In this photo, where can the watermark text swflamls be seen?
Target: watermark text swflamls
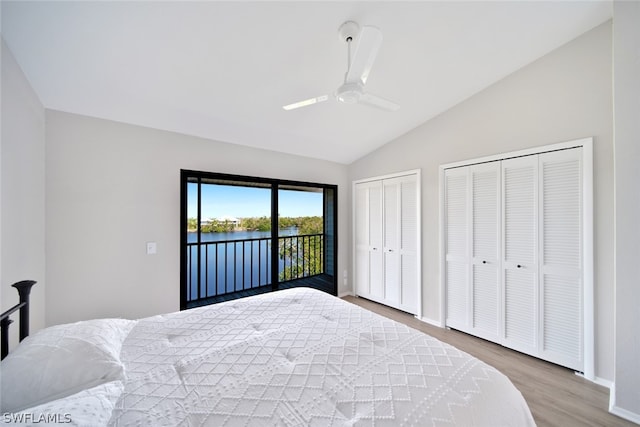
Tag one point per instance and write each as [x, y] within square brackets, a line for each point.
[31, 418]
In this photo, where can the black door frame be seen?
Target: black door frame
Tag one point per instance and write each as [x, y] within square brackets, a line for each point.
[187, 175]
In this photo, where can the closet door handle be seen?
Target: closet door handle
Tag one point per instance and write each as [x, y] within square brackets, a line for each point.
[519, 266]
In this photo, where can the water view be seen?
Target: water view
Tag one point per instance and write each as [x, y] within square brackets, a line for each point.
[192, 237]
[240, 260]
[229, 244]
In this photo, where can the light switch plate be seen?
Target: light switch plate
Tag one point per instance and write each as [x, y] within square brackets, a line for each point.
[151, 248]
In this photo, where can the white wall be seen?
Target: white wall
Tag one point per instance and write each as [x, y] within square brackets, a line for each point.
[565, 95]
[626, 66]
[111, 187]
[22, 191]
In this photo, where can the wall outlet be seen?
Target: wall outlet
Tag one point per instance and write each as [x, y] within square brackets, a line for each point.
[151, 248]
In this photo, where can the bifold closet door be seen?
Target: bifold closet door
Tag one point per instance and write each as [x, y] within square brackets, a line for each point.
[391, 240]
[387, 241]
[514, 269]
[520, 253]
[472, 241]
[485, 250]
[368, 223]
[457, 241]
[561, 286]
[400, 238]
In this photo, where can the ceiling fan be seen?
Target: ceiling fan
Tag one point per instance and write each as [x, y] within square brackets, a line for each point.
[358, 69]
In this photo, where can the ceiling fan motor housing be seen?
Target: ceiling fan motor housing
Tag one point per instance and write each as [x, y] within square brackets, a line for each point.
[350, 93]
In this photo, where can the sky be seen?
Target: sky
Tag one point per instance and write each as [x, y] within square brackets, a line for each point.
[242, 202]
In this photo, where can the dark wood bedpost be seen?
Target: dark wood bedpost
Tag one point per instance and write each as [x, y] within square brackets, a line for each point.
[24, 289]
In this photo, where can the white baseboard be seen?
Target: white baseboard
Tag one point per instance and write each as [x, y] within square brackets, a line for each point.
[431, 321]
[597, 380]
[621, 412]
[345, 294]
[605, 383]
[627, 415]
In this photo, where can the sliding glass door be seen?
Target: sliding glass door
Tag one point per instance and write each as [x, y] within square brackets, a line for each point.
[246, 235]
[227, 239]
[301, 232]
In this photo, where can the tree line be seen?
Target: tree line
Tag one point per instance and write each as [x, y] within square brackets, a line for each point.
[305, 224]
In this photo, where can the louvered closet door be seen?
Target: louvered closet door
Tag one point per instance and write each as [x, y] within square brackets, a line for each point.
[520, 253]
[376, 278]
[457, 251]
[561, 285]
[409, 240]
[400, 242]
[369, 279]
[485, 246]
[361, 225]
[391, 244]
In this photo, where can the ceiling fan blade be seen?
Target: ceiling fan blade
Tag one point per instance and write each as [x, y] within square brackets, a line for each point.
[306, 102]
[376, 101]
[369, 42]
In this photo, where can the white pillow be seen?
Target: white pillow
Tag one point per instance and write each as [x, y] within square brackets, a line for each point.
[62, 360]
[88, 408]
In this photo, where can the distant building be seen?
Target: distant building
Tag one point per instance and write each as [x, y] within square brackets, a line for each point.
[227, 218]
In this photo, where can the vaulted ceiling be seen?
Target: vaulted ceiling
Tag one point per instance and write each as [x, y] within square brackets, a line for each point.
[223, 70]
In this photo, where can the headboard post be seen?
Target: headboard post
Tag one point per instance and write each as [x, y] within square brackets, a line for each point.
[24, 289]
[4, 342]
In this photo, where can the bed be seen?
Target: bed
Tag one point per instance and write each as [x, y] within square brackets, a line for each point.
[296, 357]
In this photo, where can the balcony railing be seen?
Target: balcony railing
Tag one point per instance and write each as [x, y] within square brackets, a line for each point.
[235, 265]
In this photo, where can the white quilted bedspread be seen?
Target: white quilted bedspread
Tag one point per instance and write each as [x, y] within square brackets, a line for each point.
[304, 358]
